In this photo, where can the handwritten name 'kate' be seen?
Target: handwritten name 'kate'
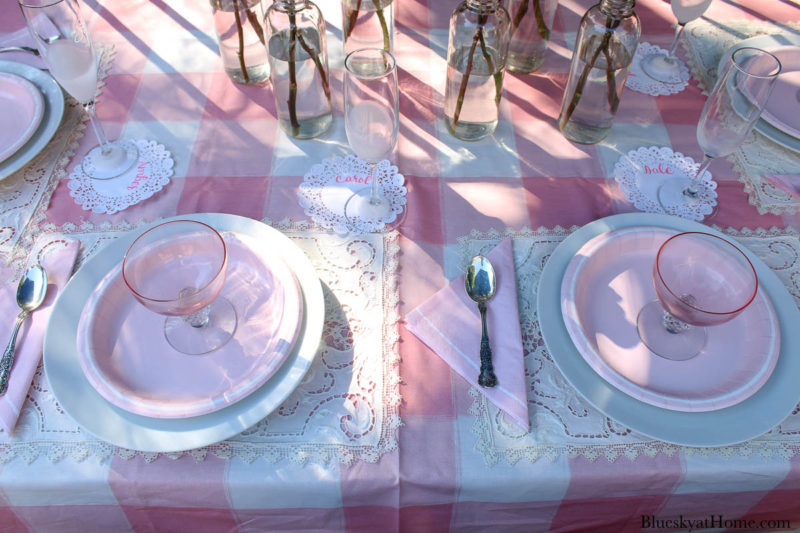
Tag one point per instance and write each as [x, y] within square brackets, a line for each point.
[140, 175]
[660, 169]
[353, 179]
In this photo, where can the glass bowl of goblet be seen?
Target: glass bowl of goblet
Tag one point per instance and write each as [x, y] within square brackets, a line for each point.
[178, 269]
[701, 281]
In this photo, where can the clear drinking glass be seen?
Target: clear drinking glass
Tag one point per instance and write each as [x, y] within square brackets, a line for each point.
[371, 114]
[178, 269]
[666, 68]
[732, 108]
[66, 48]
[701, 280]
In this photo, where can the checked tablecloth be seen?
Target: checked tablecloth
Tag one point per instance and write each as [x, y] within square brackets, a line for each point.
[449, 470]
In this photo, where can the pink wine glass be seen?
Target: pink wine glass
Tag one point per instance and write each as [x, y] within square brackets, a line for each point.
[701, 280]
[178, 269]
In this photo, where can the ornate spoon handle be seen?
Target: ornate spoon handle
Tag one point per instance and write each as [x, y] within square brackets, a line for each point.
[486, 377]
[8, 355]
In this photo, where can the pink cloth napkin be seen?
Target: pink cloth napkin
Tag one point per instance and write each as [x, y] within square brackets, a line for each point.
[57, 258]
[450, 325]
[788, 182]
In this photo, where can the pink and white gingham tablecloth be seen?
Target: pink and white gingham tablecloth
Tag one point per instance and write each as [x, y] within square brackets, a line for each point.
[167, 83]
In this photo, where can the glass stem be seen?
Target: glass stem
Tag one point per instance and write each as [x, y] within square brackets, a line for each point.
[374, 196]
[105, 147]
[692, 189]
[674, 46]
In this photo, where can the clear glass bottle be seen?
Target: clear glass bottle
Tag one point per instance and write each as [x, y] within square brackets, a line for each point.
[368, 24]
[242, 43]
[604, 48]
[476, 57]
[531, 21]
[298, 58]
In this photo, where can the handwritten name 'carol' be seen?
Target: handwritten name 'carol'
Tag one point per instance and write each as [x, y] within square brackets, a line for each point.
[364, 180]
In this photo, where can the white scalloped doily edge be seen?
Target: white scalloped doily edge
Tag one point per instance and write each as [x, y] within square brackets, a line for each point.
[641, 82]
[149, 175]
[328, 185]
[641, 172]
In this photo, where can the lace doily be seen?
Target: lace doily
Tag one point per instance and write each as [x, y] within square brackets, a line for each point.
[328, 185]
[25, 195]
[562, 422]
[641, 172]
[641, 82]
[704, 44]
[150, 174]
[345, 410]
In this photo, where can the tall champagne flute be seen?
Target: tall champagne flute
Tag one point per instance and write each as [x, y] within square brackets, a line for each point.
[371, 111]
[732, 108]
[61, 36]
[666, 68]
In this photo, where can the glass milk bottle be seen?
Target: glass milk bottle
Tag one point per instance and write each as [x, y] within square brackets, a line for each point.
[242, 44]
[476, 56]
[367, 24]
[607, 38]
[298, 59]
[531, 22]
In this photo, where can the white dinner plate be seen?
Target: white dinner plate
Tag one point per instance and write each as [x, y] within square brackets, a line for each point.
[122, 428]
[764, 42]
[51, 119]
[752, 417]
[23, 107]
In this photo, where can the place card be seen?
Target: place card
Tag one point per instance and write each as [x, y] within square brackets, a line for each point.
[149, 175]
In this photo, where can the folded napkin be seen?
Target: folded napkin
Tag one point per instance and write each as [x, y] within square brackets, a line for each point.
[57, 258]
[450, 325]
[788, 182]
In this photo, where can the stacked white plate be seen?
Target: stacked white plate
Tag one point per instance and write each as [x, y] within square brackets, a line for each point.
[33, 106]
[780, 119]
[111, 370]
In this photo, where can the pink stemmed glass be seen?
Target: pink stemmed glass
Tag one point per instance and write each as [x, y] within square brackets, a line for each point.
[178, 269]
[701, 280]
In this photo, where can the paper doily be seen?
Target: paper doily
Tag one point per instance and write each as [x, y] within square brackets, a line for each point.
[641, 82]
[328, 185]
[150, 174]
[642, 171]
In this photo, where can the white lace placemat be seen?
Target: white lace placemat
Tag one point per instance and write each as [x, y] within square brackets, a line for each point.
[328, 185]
[347, 407]
[641, 172]
[641, 82]
[150, 174]
[25, 195]
[704, 43]
[562, 422]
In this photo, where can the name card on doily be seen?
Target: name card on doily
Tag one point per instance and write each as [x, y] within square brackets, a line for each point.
[328, 185]
[641, 172]
[149, 175]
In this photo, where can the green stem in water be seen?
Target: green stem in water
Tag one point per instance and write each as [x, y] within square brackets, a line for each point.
[318, 62]
[253, 18]
[350, 19]
[519, 15]
[544, 32]
[240, 31]
[384, 26]
[462, 89]
[498, 75]
[293, 75]
[611, 24]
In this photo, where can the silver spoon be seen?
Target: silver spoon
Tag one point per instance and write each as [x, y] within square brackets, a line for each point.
[31, 291]
[481, 285]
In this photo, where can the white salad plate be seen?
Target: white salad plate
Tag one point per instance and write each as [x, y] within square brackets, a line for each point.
[749, 418]
[106, 421]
